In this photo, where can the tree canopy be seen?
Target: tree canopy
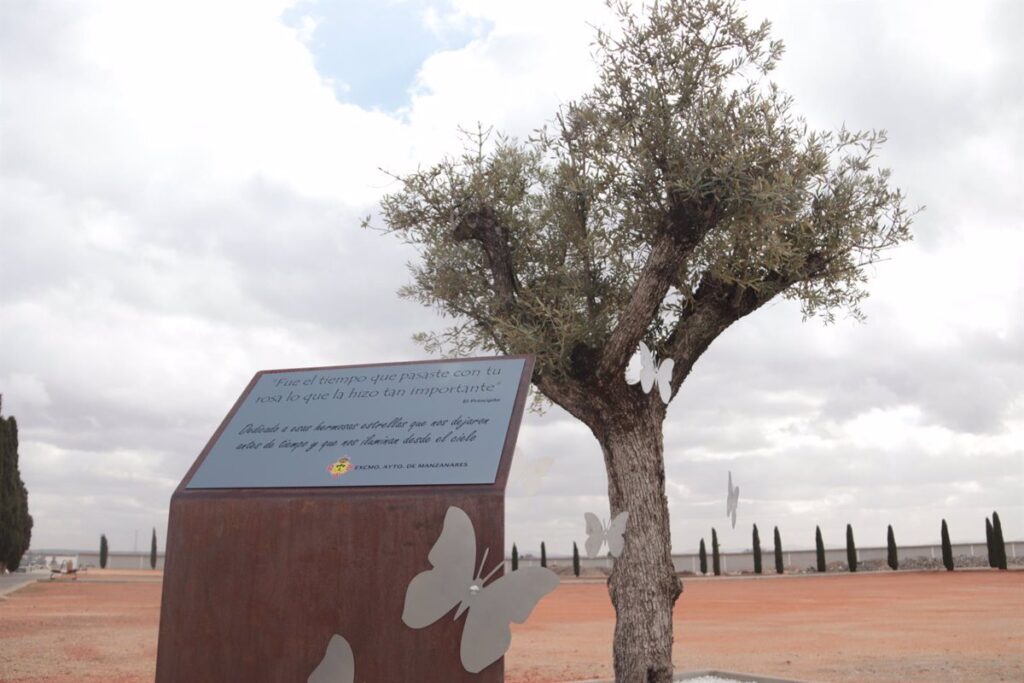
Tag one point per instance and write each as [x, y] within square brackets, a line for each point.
[677, 196]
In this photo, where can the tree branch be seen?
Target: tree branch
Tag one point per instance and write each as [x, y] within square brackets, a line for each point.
[717, 304]
[687, 223]
[569, 391]
[484, 226]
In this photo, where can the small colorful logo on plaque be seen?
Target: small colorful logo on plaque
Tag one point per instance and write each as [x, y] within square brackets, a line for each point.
[342, 466]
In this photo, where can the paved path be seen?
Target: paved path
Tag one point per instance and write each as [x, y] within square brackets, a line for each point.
[12, 582]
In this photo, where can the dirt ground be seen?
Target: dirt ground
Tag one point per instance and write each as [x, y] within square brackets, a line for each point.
[100, 627]
[905, 626]
[892, 627]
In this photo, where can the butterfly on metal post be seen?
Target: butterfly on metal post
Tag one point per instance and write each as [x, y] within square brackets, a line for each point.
[598, 534]
[338, 664]
[732, 501]
[651, 372]
[455, 581]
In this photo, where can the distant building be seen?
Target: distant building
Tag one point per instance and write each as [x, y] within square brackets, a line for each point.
[125, 559]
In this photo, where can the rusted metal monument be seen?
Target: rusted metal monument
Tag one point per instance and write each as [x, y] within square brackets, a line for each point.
[316, 503]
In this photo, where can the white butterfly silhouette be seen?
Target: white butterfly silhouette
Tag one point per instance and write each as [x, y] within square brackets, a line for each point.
[651, 372]
[598, 534]
[338, 664]
[732, 501]
[454, 582]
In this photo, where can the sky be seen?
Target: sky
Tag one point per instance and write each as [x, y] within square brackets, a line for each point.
[181, 186]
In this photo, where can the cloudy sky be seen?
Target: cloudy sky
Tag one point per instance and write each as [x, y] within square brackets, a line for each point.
[180, 190]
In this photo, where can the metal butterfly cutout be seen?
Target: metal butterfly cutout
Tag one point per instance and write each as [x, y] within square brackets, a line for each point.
[455, 581]
[599, 534]
[338, 664]
[652, 373]
[732, 501]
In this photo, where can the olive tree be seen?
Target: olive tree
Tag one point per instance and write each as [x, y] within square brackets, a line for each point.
[677, 196]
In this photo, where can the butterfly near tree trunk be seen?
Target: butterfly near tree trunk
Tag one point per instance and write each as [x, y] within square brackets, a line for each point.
[652, 372]
[598, 534]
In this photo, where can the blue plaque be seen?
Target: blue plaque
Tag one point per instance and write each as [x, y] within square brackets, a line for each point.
[443, 422]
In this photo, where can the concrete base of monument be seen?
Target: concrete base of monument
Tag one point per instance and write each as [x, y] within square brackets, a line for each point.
[713, 676]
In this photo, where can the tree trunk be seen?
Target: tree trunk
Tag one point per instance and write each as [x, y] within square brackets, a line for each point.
[643, 584]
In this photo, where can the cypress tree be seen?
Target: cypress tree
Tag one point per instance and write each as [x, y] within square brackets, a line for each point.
[6, 491]
[103, 551]
[515, 557]
[543, 555]
[715, 565]
[893, 558]
[779, 568]
[15, 521]
[757, 552]
[703, 558]
[152, 551]
[575, 559]
[998, 544]
[947, 549]
[819, 547]
[851, 549]
[989, 545]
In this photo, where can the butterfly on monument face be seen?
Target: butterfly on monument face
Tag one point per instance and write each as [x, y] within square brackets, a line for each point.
[338, 664]
[455, 582]
[732, 501]
[651, 372]
[598, 534]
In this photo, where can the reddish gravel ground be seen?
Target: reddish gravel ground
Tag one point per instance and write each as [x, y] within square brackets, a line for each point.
[962, 626]
[913, 626]
[102, 627]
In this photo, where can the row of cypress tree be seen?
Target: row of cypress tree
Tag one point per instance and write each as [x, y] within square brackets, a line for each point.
[15, 521]
[716, 565]
[993, 540]
[995, 543]
[105, 551]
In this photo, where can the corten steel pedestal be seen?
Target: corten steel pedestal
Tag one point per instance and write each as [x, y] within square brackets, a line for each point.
[257, 580]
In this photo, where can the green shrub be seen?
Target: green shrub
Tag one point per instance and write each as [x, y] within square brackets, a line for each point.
[715, 564]
[779, 568]
[575, 559]
[819, 547]
[947, 549]
[893, 558]
[998, 545]
[703, 558]
[757, 552]
[15, 521]
[851, 549]
[103, 551]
